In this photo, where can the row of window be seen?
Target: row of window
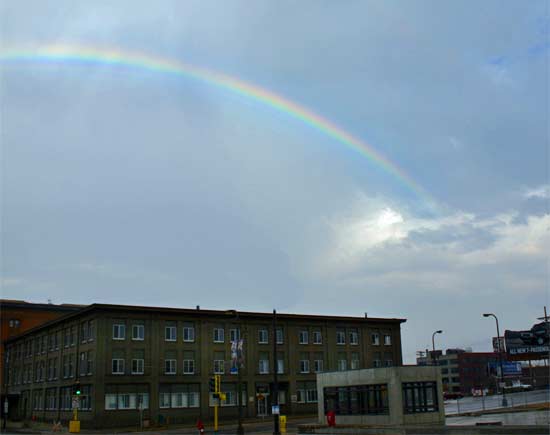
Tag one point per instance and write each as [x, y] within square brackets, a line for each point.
[418, 397]
[118, 366]
[47, 370]
[52, 400]
[188, 333]
[51, 342]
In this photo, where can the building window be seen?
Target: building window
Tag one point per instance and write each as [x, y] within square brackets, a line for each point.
[280, 366]
[138, 366]
[263, 363]
[375, 338]
[179, 396]
[119, 331]
[170, 366]
[234, 335]
[82, 364]
[164, 400]
[86, 398]
[91, 330]
[280, 336]
[355, 365]
[126, 401]
[357, 400]
[304, 366]
[262, 336]
[303, 338]
[188, 366]
[317, 337]
[419, 397]
[340, 337]
[170, 333]
[138, 332]
[306, 392]
[84, 332]
[73, 340]
[388, 362]
[342, 365]
[387, 340]
[318, 365]
[189, 334]
[90, 363]
[218, 335]
[51, 399]
[219, 366]
[353, 338]
[118, 366]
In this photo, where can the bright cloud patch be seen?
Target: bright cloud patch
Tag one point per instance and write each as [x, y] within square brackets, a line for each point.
[380, 246]
[539, 192]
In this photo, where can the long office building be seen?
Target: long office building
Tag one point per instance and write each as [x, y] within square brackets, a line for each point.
[152, 365]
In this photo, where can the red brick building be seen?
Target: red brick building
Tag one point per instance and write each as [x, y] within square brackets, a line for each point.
[17, 317]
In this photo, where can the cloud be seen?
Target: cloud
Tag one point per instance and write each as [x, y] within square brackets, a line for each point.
[388, 247]
[542, 192]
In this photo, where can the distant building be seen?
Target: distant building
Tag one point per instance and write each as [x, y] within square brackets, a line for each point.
[462, 371]
[161, 359]
[20, 316]
[387, 396]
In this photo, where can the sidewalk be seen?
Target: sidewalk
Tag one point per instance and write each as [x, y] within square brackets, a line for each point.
[251, 426]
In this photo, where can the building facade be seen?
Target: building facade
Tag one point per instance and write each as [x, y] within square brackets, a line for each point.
[154, 364]
[463, 371]
[386, 396]
[17, 317]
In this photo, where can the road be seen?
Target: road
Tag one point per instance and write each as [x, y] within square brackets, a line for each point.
[470, 404]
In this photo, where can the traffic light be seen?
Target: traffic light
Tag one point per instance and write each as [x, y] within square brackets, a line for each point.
[76, 389]
[212, 385]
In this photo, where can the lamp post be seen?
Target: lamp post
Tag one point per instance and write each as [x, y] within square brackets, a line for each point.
[433, 346]
[275, 400]
[504, 401]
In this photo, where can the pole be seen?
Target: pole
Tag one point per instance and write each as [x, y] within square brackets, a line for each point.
[504, 401]
[216, 416]
[275, 400]
[433, 348]
[240, 428]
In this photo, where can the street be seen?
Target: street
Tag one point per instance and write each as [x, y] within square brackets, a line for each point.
[469, 404]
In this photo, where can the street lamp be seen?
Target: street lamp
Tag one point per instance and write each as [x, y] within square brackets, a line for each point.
[275, 400]
[433, 346]
[504, 401]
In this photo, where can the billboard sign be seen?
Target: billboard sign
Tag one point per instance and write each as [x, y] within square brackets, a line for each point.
[510, 368]
[533, 343]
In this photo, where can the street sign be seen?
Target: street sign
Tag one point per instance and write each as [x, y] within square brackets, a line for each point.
[275, 410]
[76, 402]
[234, 370]
[6, 407]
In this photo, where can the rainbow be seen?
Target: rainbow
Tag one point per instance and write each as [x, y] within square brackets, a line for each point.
[108, 56]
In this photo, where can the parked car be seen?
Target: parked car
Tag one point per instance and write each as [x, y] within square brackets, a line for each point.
[447, 395]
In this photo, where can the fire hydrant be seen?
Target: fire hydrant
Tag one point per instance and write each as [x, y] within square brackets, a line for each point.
[331, 418]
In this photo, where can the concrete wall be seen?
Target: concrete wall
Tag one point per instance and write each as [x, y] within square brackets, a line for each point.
[393, 377]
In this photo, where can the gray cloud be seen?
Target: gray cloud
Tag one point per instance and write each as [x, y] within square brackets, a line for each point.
[120, 185]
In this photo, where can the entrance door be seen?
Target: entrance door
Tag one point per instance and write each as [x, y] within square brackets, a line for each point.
[261, 401]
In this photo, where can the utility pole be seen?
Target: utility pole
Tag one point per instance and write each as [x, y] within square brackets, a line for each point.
[275, 401]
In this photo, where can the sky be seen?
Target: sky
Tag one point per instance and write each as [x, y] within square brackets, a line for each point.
[127, 185]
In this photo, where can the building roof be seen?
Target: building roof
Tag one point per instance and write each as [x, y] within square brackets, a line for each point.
[19, 304]
[225, 314]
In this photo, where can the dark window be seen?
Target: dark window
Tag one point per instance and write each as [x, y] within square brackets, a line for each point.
[357, 399]
[419, 397]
